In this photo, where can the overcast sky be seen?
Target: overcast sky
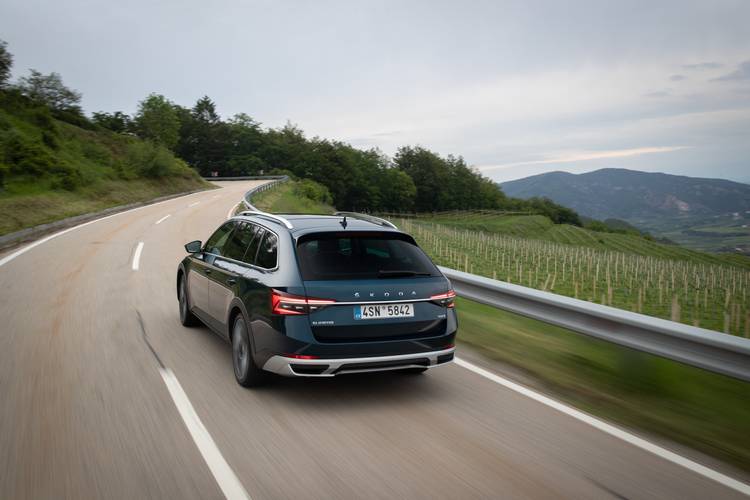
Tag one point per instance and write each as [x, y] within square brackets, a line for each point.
[516, 88]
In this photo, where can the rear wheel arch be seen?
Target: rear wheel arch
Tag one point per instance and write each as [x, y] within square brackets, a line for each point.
[180, 277]
[237, 308]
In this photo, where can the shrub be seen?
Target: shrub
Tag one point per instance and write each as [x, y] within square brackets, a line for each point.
[310, 189]
[25, 156]
[151, 160]
[4, 171]
[41, 116]
[65, 176]
[50, 140]
[74, 117]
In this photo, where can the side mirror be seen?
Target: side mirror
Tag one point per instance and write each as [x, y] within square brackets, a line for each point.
[193, 246]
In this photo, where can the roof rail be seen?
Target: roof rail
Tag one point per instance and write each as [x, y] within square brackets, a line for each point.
[275, 218]
[368, 218]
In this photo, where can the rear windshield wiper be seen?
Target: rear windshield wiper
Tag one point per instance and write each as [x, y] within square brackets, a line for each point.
[400, 273]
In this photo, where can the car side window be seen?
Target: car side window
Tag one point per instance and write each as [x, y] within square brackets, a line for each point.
[252, 249]
[238, 242]
[215, 244]
[267, 253]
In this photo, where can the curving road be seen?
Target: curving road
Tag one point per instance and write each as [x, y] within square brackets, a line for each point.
[104, 394]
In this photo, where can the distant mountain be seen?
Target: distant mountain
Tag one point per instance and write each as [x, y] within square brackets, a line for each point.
[632, 195]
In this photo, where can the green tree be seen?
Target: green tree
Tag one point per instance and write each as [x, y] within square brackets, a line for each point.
[6, 63]
[398, 189]
[50, 90]
[157, 120]
[205, 142]
[205, 111]
[430, 175]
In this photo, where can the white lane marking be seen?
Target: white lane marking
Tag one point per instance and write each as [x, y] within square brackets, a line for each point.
[193, 204]
[215, 196]
[228, 482]
[163, 218]
[610, 429]
[231, 211]
[137, 256]
[28, 247]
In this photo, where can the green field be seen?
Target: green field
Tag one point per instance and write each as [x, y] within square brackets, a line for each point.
[50, 170]
[703, 410]
[288, 198]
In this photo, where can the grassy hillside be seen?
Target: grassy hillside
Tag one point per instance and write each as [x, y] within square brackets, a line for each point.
[51, 169]
[540, 227]
[295, 197]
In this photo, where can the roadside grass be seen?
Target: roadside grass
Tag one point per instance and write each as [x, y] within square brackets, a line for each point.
[703, 410]
[38, 206]
[286, 199]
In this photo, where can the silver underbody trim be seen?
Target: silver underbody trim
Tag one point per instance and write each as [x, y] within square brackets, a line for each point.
[281, 365]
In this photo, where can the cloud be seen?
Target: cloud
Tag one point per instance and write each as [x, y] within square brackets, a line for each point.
[658, 94]
[578, 156]
[677, 78]
[741, 73]
[703, 65]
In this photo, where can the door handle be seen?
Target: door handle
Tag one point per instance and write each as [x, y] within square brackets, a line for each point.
[208, 271]
[231, 281]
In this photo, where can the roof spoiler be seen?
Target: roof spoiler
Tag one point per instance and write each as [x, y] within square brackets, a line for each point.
[368, 218]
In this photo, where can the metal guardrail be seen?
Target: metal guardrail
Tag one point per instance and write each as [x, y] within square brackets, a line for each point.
[247, 178]
[259, 189]
[714, 351]
[277, 179]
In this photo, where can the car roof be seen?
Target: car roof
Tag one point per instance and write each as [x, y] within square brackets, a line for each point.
[306, 223]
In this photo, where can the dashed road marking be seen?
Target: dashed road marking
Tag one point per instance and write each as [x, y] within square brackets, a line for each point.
[137, 256]
[163, 218]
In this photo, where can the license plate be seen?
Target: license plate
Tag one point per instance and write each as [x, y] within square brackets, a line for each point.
[383, 311]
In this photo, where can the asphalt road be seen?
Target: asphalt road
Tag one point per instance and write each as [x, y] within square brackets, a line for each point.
[85, 411]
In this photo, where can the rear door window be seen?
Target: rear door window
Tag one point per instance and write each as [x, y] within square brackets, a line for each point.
[238, 241]
[215, 244]
[268, 251]
[336, 256]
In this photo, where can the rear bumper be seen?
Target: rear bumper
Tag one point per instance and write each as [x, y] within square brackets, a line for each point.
[293, 367]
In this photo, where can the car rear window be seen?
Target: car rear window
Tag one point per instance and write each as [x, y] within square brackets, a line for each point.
[336, 256]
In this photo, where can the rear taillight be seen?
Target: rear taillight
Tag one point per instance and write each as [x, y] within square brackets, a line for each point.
[288, 304]
[444, 299]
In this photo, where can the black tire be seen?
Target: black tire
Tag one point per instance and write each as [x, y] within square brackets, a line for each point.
[414, 371]
[246, 371]
[187, 318]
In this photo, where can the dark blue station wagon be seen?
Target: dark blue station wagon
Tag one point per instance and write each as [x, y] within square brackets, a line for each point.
[318, 296]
